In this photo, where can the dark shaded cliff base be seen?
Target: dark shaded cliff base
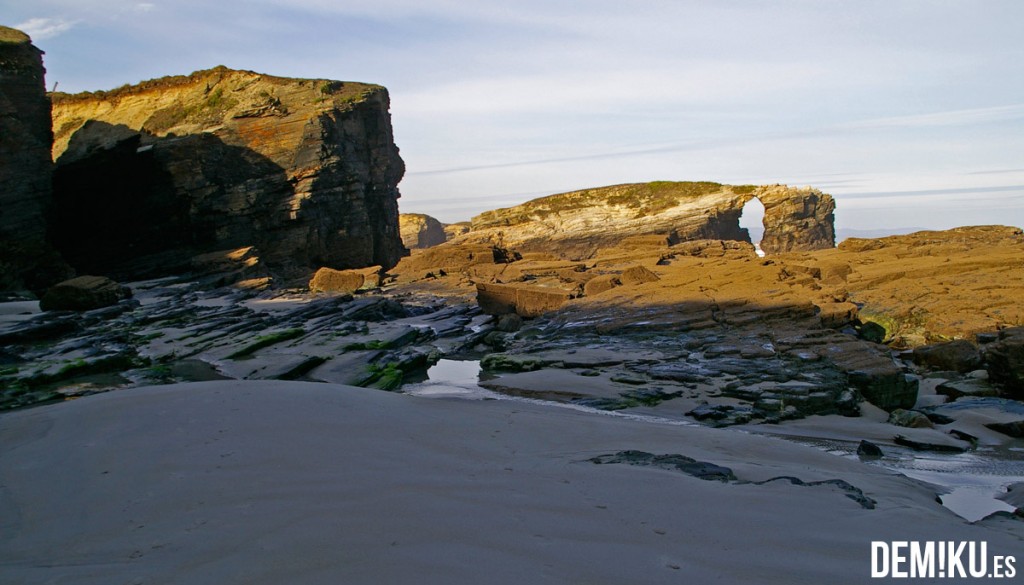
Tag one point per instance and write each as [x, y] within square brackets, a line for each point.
[27, 260]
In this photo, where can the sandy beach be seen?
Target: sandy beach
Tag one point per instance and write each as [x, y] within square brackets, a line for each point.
[274, 482]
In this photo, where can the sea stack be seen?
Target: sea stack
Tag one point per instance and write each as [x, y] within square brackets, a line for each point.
[149, 175]
[26, 260]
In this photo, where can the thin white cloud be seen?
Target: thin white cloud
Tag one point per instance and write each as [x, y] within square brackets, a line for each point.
[946, 118]
[44, 28]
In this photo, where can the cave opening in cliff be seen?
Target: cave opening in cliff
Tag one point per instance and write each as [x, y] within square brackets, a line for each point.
[752, 220]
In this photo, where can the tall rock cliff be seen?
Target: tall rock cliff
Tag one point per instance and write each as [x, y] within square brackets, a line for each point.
[579, 223]
[149, 175]
[26, 260]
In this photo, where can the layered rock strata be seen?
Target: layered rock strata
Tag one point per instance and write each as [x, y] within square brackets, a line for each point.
[304, 170]
[26, 260]
[578, 224]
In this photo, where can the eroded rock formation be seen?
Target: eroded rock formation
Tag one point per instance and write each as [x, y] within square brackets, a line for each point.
[150, 175]
[578, 224]
[26, 260]
[421, 231]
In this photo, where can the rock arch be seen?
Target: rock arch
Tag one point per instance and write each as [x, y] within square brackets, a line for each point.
[795, 219]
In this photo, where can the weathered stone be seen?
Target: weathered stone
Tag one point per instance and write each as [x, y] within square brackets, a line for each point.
[1011, 429]
[150, 175]
[635, 275]
[699, 469]
[869, 449]
[26, 258]
[967, 387]
[526, 301]
[578, 224]
[509, 323]
[83, 293]
[796, 219]
[928, 446]
[1005, 360]
[421, 231]
[600, 284]
[910, 419]
[958, 356]
[336, 281]
[878, 378]
[453, 230]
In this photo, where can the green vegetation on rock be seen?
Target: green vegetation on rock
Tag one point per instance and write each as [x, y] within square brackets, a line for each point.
[266, 341]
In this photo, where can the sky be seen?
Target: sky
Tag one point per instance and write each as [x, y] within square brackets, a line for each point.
[909, 112]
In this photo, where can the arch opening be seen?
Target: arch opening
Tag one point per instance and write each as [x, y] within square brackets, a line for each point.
[752, 220]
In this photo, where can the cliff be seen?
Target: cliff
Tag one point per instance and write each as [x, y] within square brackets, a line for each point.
[421, 231]
[305, 170]
[26, 260]
[579, 223]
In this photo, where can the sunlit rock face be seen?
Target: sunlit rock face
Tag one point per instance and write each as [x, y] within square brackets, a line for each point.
[421, 231]
[305, 170]
[578, 224]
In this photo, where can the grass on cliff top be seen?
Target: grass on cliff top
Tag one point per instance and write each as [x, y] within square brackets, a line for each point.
[644, 198]
[13, 35]
[347, 90]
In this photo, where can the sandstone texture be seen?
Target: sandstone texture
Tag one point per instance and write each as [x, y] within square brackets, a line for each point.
[525, 301]
[344, 281]
[26, 259]
[453, 230]
[1005, 359]
[84, 293]
[578, 224]
[150, 175]
[421, 231]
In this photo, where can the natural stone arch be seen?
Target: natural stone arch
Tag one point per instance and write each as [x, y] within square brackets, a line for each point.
[795, 219]
[751, 221]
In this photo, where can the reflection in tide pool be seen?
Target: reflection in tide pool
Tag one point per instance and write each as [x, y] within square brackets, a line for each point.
[454, 378]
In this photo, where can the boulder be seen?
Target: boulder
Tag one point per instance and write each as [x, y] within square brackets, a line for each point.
[1004, 360]
[869, 449]
[525, 301]
[1013, 429]
[874, 373]
[958, 356]
[600, 284]
[635, 275]
[343, 281]
[967, 387]
[910, 419]
[84, 293]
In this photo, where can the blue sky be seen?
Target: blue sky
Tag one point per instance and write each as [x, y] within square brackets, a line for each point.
[911, 113]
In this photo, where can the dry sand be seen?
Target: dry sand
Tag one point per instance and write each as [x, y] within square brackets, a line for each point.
[291, 482]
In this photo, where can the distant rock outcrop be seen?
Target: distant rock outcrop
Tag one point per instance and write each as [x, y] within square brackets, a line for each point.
[26, 260]
[150, 175]
[454, 230]
[421, 231]
[579, 223]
